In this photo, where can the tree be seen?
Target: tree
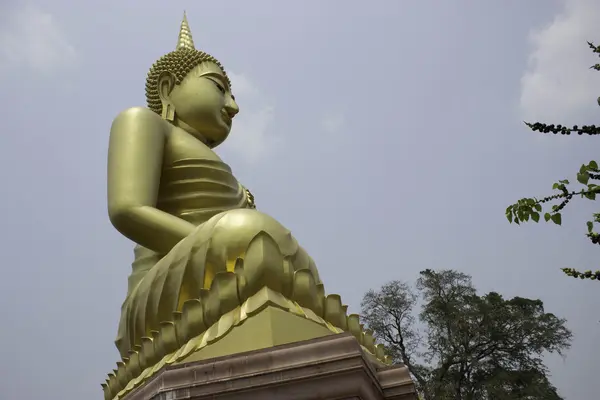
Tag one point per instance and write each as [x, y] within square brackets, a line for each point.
[529, 208]
[466, 346]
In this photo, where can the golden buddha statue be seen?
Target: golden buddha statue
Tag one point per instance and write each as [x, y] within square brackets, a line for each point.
[203, 249]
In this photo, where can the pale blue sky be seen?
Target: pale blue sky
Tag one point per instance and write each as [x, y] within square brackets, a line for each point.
[387, 137]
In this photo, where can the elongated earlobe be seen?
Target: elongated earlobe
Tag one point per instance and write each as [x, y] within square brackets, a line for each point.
[168, 112]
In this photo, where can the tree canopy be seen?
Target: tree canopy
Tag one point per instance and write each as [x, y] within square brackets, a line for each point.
[462, 345]
[530, 208]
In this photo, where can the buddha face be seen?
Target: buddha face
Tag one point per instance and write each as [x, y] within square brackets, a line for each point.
[202, 102]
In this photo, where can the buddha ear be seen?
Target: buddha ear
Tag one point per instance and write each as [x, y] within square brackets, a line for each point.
[166, 83]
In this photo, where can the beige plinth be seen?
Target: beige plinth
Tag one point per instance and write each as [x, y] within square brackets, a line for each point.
[330, 367]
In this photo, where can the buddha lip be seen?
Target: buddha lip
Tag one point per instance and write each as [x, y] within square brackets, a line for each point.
[226, 117]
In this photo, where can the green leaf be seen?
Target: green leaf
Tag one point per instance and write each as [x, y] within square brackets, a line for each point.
[547, 217]
[509, 214]
[535, 216]
[583, 177]
[590, 195]
[593, 165]
[564, 181]
[538, 207]
[555, 186]
[556, 218]
[583, 168]
[590, 226]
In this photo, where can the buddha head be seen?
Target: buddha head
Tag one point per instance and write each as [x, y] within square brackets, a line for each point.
[190, 89]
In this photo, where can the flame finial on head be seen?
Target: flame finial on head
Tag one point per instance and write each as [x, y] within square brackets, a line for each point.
[185, 41]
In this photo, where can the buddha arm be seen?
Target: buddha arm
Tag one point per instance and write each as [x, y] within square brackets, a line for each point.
[135, 159]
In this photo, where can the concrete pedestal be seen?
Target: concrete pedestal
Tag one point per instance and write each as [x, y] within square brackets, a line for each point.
[326, 368]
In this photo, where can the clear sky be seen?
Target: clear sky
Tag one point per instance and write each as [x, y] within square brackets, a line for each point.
[387, 135]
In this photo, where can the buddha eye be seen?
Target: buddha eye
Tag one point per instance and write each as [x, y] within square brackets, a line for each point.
[220, 87]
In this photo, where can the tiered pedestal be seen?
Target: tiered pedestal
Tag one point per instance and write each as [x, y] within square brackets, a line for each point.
[326, 368]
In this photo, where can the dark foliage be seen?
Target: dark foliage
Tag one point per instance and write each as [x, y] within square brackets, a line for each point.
[472, 347]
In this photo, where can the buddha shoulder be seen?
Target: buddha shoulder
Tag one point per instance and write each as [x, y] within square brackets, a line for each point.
[139, 127]
[139, 119]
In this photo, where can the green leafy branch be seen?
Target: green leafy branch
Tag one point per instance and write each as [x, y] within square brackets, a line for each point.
[563, 130]
[582, 275]
[595, 49]
[532, 208]
[527, 208]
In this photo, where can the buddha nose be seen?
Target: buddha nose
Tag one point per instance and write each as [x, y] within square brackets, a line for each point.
[232, 108]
